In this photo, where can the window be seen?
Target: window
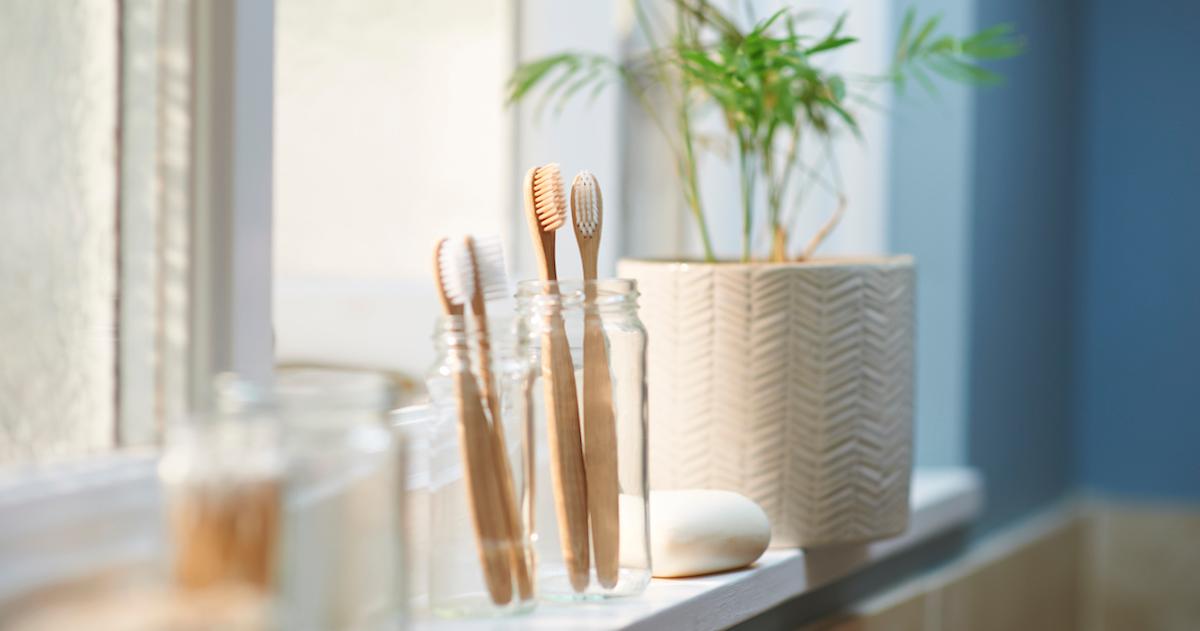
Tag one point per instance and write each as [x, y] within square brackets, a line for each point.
[391, 132]
[118, 274]
[281, 172]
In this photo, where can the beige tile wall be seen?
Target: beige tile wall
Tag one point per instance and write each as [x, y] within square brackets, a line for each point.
[1143, 568]
[1091, 567]
[903, 609]
[1035, 586]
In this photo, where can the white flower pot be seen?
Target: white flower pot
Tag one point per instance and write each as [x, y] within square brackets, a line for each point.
[789, 383]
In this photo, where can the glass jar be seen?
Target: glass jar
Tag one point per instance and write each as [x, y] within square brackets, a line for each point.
[412, 426]
[223, 485]
[223, 475]
[342, 558]
[592, 417]
[480, 527]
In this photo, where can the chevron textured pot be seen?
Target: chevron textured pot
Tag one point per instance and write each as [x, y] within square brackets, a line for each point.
[789, 383]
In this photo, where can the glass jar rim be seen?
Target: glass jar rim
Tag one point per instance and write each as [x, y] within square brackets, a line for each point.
[297, 389]
[610, 295]
[459, 331]
[604, 287]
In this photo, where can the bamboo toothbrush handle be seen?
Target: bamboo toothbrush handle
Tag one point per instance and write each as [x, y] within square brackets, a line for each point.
[566, 451]
[511, 513]
[514, 534]
[600, 445]
[478, 473]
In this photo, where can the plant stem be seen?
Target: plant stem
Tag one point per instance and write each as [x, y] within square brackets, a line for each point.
[768, 167]
[838, 211]
[777, 234]
[692, 179]
[746, 162]
[777, 193]
[823, 232]
[691, 182]
[685, 159]
[789, 163]
[806, 186]
[685, 167]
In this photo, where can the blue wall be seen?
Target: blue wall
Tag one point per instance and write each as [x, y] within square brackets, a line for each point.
[1138, 361]
[1022, 305]
[930, 198]
[1079, 222]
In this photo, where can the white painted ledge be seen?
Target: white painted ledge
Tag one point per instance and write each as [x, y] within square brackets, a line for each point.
[79, 519]
[942, 500]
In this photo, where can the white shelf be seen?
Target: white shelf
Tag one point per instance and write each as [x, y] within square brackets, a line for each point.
[942, 499]
[93, 515]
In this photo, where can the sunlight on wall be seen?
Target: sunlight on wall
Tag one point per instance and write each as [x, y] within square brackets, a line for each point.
[390, 132]
[58, 61]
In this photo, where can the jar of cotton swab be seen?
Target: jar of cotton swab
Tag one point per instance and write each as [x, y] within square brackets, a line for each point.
[222, 475]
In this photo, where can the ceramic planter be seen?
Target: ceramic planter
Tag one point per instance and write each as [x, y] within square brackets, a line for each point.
[789, 383]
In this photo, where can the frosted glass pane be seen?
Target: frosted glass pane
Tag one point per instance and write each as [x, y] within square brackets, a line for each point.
[389, 133]
[58, 78]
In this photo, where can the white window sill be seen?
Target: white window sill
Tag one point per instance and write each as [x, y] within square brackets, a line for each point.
[79, 519]
[942, 500]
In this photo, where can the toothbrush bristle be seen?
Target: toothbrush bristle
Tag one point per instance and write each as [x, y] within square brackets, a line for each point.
[454, 266]
[549, 203]
[585, 203]
[489, 260]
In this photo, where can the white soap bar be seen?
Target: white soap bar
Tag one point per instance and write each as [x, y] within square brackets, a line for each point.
[704, 531]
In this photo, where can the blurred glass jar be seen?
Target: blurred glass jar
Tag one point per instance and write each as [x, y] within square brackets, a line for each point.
[223, 479]
[480, 499]
[343, 562]
[412, 425]
[599, 323]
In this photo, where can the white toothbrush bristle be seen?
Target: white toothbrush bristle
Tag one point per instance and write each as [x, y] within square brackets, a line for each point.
[549, 202]
[489, 260]
[586, 204]
[454, 265]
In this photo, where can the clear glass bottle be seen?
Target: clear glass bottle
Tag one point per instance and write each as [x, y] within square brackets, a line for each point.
[599, 323]
[480, 527]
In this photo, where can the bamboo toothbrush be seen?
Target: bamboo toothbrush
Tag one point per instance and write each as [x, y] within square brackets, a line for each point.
[546, 210]
[474, 438]
[491, 282]
[599, 429]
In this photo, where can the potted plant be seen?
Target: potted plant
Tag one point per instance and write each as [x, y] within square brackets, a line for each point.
[786, 377]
